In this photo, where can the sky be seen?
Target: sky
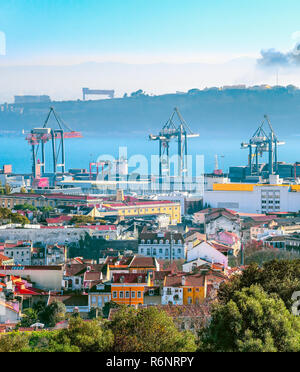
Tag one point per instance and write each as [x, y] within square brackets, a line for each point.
[65, 32]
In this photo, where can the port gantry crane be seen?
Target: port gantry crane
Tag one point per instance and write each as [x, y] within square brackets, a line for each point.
[38, 137]
[260, 143]
[180, 132]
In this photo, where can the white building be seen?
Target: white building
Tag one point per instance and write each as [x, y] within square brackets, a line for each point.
[162, 245]
[172, 292]
[254, 198]
[9, 312]
[21, 254]
[205, 251]
[222, 221]
[188, 267]
[58, 234]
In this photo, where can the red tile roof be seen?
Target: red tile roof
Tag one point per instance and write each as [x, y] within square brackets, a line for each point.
[139, 203]
[141, 261]
[4, 258]
[129, 278]
[92, 276]
[71, 300]
[100, 227]
[20, 267]
[160, 275]
[80, 269]
[59, 219]
[173, 281]
[54, 196]
[219, 246]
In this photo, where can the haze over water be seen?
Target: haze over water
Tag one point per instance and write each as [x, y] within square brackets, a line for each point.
[79, 152]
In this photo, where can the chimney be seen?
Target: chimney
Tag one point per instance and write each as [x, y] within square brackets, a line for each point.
[183, 280]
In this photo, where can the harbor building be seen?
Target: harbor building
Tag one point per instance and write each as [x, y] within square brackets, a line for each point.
[254, 198]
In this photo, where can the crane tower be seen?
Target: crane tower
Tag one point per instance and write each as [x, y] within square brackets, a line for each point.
[262, 142]
[38, 137]
[173, 131]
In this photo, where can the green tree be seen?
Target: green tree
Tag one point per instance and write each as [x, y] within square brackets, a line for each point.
[48, 341]
[53, 313]
[107, 306]
[19, 218]
[7, 189]
[81, 219]
[29, 317]
[13, 342]
[88, 336]
[47, 209]
[252, 321]
[25, 206]
[5, 213]
[266, 255]
[95, 312]
[281, 277]
[148, 330]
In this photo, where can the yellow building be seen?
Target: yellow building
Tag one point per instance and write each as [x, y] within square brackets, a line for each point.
[147, 208]
[99, 294]
[194, 289]
[128, 289]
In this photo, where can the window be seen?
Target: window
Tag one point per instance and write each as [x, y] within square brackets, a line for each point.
[139, 294]
[132, 294]
[189, 289]
[121, 294]
[94, 298]
[151, 292]
[190, 300]
[114, 294]
[127, 294]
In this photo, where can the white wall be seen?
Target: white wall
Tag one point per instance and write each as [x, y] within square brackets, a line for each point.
[52, 236]
[143, 250]
[170, 298]
[222, 223]
[251, 201]
[206, 252]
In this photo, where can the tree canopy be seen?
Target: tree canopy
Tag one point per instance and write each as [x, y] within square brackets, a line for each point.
[281, 277]
[251, 321]
[148, 330]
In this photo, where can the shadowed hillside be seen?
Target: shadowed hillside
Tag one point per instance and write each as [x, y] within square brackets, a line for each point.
[234, 113]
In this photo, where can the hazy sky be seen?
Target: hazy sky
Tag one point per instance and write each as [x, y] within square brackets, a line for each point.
[57, 32]
[61, 30]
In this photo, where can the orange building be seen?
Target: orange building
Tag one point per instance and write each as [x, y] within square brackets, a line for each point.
[194, 289]
[128, 288]
[130, 264]
[141, 264]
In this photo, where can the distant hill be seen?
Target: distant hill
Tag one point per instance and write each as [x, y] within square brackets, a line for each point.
[212, 112]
